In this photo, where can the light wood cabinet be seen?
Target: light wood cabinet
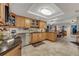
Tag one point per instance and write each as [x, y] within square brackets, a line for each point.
[2, 13]
[27, 23]
[34, 38]
[20, 22]
[37, 37]
[51, 36]
[34, 23]
[42, 36]
[42, 24]
[14, 52]
[0, 9]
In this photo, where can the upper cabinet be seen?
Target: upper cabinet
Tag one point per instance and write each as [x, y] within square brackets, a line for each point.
[0, 10]
[38, 24]
[25, 22]
[42, 24]
[2, 13]
[34, 23]
[20, 22]
[28, 23]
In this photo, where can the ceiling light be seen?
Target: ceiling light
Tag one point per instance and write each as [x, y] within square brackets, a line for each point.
[45, 11]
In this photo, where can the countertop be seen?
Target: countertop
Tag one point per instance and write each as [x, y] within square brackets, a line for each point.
[43, 32]
[10, 47]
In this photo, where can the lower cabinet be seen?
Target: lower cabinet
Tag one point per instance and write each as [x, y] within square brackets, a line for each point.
[14, 52]
[41, 36]
[51, 36]
[36, 37]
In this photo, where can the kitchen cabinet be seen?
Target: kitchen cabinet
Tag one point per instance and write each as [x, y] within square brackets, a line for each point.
[14, 52]
[42, 24]
[20, 22]
[38, 24]
[27, 23]
[34, 23]
[52, 36]
[44, 35]
[40, 36]
[0, 9]
[34, 38]
[2, 13]
[37, 37]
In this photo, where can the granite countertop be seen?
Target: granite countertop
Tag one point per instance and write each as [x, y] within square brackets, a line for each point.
[7, 48]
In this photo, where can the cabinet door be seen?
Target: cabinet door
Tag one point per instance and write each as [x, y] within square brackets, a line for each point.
[14, 52]
[27, 23]
[2, 12]
[0, 9]
[39, 36]
[34, 38]
[42, 24]
[20, 22]
[52, 36]
[44, 36]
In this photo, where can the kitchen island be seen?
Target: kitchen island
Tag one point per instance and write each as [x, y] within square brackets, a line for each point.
[11, 50]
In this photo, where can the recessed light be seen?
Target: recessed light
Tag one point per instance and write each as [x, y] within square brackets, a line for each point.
[46, 11]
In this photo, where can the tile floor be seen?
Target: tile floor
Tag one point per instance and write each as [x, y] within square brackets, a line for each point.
[60, 48]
